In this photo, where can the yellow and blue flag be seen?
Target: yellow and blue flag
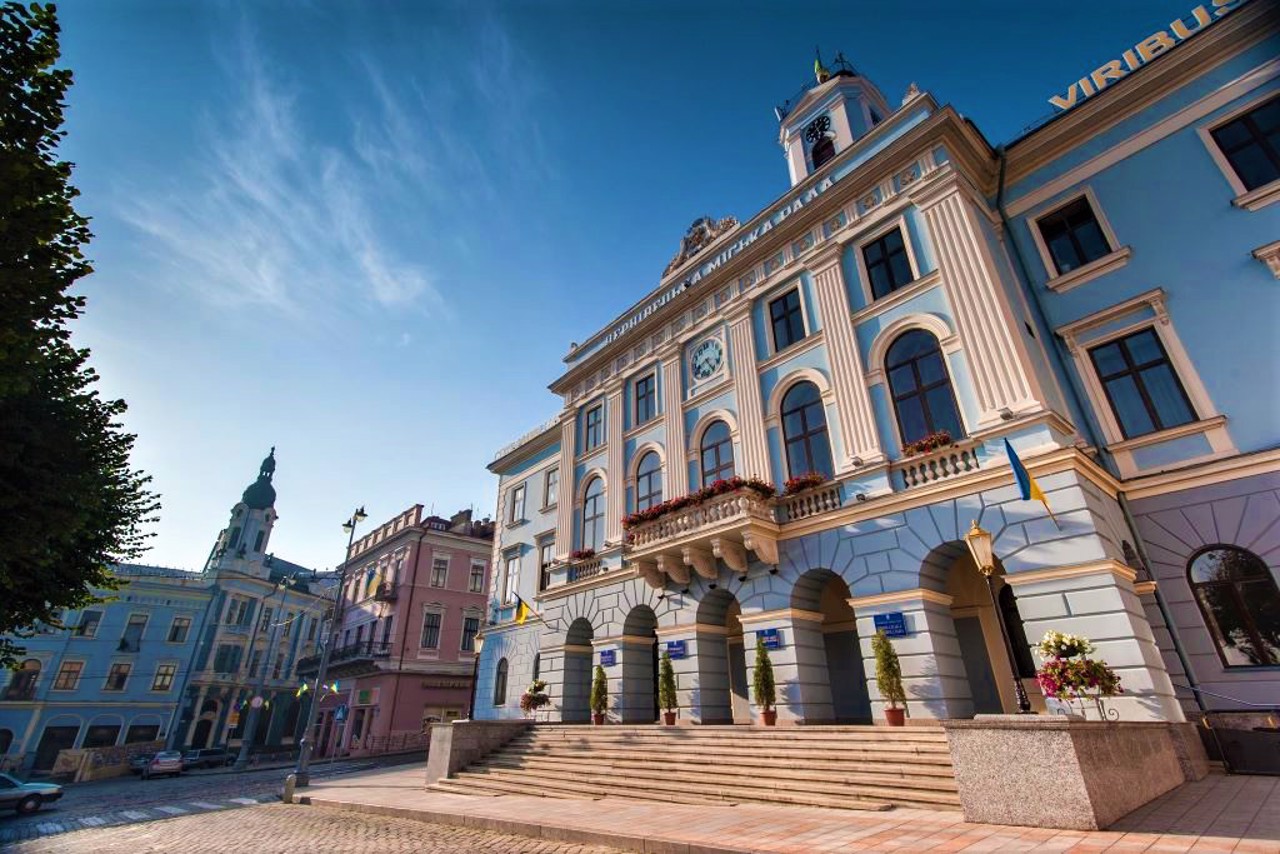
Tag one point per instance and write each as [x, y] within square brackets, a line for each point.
[1031, 490]
[522, 611]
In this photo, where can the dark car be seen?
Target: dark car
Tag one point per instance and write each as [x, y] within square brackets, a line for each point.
[137, 763]
[26, 797]
[209, 757]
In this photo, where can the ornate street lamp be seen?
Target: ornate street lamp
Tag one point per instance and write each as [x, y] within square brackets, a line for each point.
[301, 773]
[980, 547]
[475, 676]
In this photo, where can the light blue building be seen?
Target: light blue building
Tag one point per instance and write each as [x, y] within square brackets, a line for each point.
[1098, 293]
[173, 656]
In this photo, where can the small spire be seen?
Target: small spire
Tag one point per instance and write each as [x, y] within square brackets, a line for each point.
[820, 71]
[268, 465]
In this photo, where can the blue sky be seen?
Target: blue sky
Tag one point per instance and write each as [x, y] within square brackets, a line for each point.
[366, 233]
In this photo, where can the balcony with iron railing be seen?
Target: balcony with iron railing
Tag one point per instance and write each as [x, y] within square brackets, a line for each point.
[349, 657]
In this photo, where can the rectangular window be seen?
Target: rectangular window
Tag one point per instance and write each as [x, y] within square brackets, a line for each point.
[118, 676]
[1142, 388]
[68, 676]
[517, 505]
[278, 670]
[88, 625]
[164, 677]
[888, 266]
[386, 630]
[179, 629]
[431, 630]
[594, 433]
[470, 628]
[475, 582]
[1251, 144]
[787, 320]
[264, 624]
[646, 399]
[131, 640]
[510, 578]
[1073, 236]
[439, 571]
[311, 628]
[551, 492]
[227, 659]
[255, 661]
[546, 557]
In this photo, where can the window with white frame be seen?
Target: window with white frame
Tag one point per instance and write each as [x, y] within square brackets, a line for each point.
[593, 428]
[546, 557]
[165, 674]
[179, 629]
[517, 505]
[786, 319]
[1141, 386]
[510, 577]
[1251, 144]
[470, 628]
[593, 515]
[551, 488]
[439, 571]
[475, 580]
[887, 263]
[648, 481]
[68, 677]
[1073, 236]
[646, 399]
[87, 626]
[118, 676]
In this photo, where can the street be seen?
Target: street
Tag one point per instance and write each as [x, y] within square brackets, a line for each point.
[280, 829]
[128, 800]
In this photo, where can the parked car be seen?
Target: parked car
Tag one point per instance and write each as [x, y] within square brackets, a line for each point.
[26, 798]
[208, 757]
[165, 762]
[137, 763]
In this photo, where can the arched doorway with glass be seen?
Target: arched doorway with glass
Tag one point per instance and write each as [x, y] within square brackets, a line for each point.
[831, 677]
[721, 694]
[575, 705]
[638, 662]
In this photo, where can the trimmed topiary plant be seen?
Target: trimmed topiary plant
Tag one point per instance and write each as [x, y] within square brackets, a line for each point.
[762, 681]
[667, 690]
[599, 696]
[889, 678]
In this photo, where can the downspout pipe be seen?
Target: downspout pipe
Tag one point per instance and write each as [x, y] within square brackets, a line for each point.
[1078, 401]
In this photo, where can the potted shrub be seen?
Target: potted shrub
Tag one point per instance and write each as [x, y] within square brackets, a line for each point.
[667, 690]
[535, 698]
[766, 691]
[889, 679]
[599, 696]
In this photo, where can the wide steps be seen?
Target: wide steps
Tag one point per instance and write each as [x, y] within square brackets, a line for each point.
[889, 753]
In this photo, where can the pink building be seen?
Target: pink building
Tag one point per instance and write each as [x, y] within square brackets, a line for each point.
[404, 652]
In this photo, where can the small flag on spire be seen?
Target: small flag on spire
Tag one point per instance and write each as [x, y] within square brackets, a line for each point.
[820, 71]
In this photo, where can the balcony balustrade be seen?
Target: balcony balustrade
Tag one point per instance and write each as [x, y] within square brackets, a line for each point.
[584, 569]
[355, 653]
[942, 464]
[811, 502]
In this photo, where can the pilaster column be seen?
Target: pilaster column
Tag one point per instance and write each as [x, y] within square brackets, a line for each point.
[997, 357]
[853, 403]
[568, 489]
[753, 459]
[677, 473]
[616, 486]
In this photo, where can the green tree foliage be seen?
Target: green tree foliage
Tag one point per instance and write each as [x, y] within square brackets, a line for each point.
[667, 684]
[599, 692]
[70, 504]
[888, 670]
[762, 679]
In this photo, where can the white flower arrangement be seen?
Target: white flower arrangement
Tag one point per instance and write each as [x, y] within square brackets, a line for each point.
[1059, 645]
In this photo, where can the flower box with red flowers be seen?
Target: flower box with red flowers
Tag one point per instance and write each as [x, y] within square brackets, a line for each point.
[582, 554]
[762, 488]
[932, 442]
[801, 482]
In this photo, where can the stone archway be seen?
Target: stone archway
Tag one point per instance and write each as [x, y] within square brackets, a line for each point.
[575, 700]
[722, 665]
[639, 659]
[831, 676]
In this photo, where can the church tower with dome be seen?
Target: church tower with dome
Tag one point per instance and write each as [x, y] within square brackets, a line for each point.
[242, 545]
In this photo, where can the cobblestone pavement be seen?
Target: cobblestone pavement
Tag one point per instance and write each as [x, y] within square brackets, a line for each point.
[126, 800]
[280, 829]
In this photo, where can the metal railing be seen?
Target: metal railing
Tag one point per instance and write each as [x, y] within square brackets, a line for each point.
[350, 652]
[1243, 751]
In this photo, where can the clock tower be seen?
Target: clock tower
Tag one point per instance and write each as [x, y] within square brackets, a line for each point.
[840, 107]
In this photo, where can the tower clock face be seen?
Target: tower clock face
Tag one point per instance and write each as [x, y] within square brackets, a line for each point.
[707, 359]
[817, 129]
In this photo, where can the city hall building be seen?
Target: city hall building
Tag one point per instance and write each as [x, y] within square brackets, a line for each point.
[1101, 292]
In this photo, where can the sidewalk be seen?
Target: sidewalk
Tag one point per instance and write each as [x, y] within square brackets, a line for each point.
[1217, 814]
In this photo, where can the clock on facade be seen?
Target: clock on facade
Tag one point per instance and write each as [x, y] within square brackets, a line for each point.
[707, 358]
[817, 129]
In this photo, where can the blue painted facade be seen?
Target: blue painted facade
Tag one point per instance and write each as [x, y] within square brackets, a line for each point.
[981, 309]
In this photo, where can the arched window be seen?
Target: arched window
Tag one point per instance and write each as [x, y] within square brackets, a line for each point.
[593, 515]
[1017, 633]
[804, 428]
[922, 394]
[716, 453]
[22, 682]
[500, 684]
[1241, 604]
[823, 150]
[648, 481]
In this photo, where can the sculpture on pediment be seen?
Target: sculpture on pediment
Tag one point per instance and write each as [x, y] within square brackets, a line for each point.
[702, 233]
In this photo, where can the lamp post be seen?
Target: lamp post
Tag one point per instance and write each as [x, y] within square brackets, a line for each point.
[256, 699]
[475, 676]
[979, 542]
[302, 776]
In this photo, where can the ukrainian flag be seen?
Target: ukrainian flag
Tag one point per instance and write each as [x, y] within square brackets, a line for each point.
[1031, 490]
[522, 611]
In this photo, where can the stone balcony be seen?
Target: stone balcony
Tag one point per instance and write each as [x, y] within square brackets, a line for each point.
[942, 464]
[724, 528]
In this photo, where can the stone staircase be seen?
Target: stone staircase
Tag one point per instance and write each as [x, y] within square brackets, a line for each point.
[846, 767]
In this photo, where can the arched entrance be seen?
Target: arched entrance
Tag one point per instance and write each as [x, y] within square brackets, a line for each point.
[575, 704]
[204, 726]
[639, 660]
[59, 735]
[832, 680]
[721, 695]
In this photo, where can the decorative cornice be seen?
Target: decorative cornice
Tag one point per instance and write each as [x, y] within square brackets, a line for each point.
[781, 614]
[1112, 567]
[1270, 255]
[1232, 468]
[917, 593]
[621, 639]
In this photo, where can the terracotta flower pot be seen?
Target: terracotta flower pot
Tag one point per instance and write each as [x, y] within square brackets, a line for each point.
[669, 718]
[895, 717]
[770, 716]
[597, 719]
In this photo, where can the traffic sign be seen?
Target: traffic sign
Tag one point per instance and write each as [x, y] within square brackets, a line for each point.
[341, 714]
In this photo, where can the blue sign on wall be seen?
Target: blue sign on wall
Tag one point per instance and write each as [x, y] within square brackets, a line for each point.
[677, 649]
[893, 624]
[772, 638]
[608, 657]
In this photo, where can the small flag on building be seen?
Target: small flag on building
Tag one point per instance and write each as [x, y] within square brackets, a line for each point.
[522, 611]
[1031, 490]
[302, 689]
